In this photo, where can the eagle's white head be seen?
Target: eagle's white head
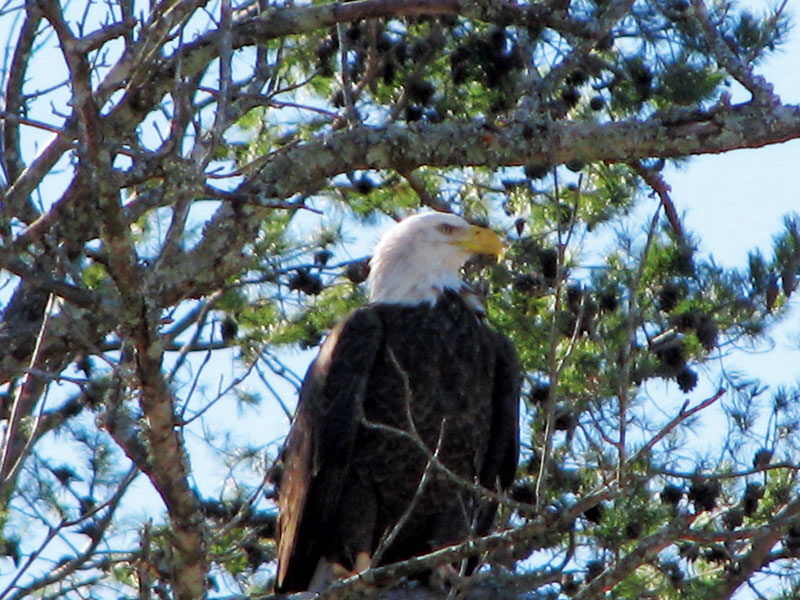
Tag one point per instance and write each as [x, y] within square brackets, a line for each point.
[420, 257]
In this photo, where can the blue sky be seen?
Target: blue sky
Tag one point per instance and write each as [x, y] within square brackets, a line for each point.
[736, 201]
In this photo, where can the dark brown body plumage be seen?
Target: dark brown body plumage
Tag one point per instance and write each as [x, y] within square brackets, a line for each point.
[346, 484]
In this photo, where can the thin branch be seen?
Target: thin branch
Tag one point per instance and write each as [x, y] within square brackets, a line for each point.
[552, 366]
[454, 477]
[75, 563]
[682, 415]
[389, 538]
[760, 548]
[656, 181]
[418, 185]
[551, 521]
[350, 113]
[219, 396]
[731, 474]
[645, 550]
[190, 344]
[265, 380]
[9, 117]
[760, 89]
[631, 320]
[11, 457]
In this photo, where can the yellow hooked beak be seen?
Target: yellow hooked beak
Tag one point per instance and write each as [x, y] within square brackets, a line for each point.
[481, 240]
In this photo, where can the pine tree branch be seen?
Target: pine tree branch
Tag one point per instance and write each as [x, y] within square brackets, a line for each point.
[660, 187]
[682, 415]
[14, 592]
[645, 550]
[760, 89]
[760, 547]
[471, 144]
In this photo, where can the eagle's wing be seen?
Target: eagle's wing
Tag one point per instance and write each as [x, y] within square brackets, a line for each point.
[320, 444]
[500, 465]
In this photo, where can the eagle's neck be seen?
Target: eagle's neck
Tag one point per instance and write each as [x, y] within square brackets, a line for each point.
[416, 291]
[411, 291]
[399, 278]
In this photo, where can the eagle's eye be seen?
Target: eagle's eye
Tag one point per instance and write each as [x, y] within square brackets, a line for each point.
[446, 228]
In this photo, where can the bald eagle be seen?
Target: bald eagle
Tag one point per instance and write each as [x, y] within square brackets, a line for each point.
[416, 372]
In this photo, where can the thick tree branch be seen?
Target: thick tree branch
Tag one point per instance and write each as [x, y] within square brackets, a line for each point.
[308, 166]
[168, 469]
[39, 277]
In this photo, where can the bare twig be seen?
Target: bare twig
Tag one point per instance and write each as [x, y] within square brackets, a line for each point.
[389, 573]
[632, 318]
[189, 345]
[682, 415]
[480, 490]
[12, 453]
[730, 474]
[347, 91]
[222, 393]
[389, 538]
[654, 179]
[87, 553]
